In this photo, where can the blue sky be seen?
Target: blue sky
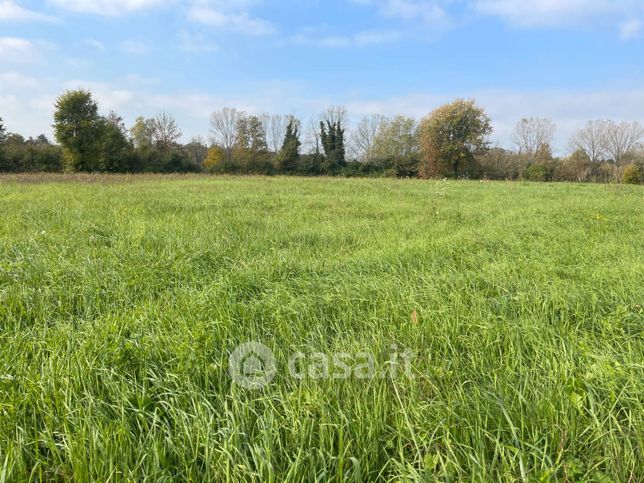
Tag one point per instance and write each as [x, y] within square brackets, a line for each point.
[569, 60]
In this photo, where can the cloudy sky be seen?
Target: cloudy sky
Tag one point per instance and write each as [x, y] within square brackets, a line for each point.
[569, 60]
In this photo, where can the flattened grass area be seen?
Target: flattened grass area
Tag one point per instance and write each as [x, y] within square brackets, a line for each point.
[122, 298]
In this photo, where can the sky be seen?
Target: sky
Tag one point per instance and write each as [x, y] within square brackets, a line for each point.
[567, 60]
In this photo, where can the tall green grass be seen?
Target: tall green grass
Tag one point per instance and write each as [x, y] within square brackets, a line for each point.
[121, 299]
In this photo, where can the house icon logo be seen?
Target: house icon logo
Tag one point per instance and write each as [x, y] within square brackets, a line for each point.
[252, 366]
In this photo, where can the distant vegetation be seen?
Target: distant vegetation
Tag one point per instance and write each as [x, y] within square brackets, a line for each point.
[451, 142]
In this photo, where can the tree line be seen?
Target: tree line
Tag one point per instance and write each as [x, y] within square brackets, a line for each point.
[451, 142]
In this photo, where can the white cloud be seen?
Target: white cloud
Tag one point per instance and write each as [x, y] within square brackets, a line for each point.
[628, 14]
[195, 43]
[14, 49]
[535, 13]
[630, 29]
[108, 7]
[431, 12]
[11, 11]
[317, 36]
[225, 19]
[135, 47]
[10, 80]
[94, 44]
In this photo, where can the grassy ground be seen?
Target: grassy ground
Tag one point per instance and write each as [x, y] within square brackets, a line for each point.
[122, 298]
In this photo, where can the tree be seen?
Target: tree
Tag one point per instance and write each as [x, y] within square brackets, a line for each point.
[116, 120]
[42, 139]
[591, 140]
[332, 137]
[165, 132]
[256, 134]
[289, 157]
[275, 129]
[532, 133]
[397, 138]
[250, 153]
[114, 149]
[363, 137]
[632, 175]
[450, 137]
[312, 136]
[3, 132]
[215, 159]
[250, 134]
[20, 155]
[197, 150]
[77, 127]
[224, 129]
[142, 133]
[576, 167]
[622, 138]
[335, 115]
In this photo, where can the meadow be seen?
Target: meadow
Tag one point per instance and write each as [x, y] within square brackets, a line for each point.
[122, 297]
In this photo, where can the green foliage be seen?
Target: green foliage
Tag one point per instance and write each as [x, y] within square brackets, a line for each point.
[396, 138]
[576, 167]
[632, 175]
[391, 167]
[114, 151]
[162, 160]
[251, 135]
[78, 127]
[332, 138]
[215, 159]
[122, 301]
[288, 158]
[32, 155]
[196, 150]
[142, 133]
[451, 137]
[311, 164]
[535, 172]
[250, 153]
[501, 164]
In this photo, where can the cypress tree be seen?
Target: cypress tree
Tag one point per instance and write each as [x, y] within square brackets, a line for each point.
[332, 137]
[289, 155]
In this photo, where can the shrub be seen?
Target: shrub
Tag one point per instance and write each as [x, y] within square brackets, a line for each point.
[631, 175]
[535, 172]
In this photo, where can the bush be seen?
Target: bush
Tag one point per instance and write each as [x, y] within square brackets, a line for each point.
[535, 172]
[30, 157]
[631, 175]
[576, 167]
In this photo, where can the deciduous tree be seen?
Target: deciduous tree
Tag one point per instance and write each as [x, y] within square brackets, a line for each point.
[532, 133]
[215, 159]
[450, 137]
[622, 138]
[591, 140]
[142, 133]
[397, 138]
[223, 129]
[363, 137]
[275, 129]
[77, 127]
[165, 131]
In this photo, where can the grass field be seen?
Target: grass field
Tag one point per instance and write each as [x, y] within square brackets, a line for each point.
[122, 298]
